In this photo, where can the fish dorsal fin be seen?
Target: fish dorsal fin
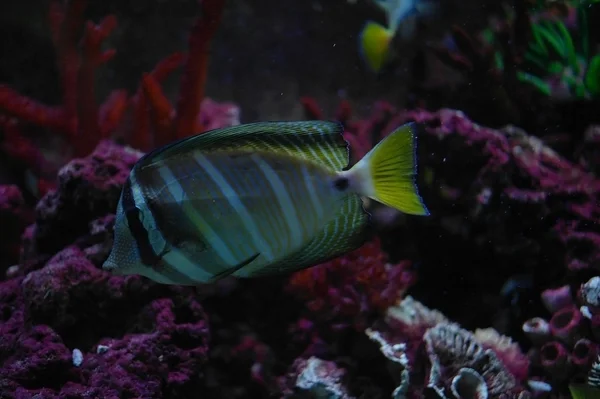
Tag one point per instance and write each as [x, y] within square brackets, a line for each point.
[348, 231]
[319, 141]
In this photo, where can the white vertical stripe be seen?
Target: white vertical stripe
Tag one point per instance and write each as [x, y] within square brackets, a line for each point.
[310, 187]
[180, 262]
[156, 239]
[208, 233]
[287, 206]
[232, 197]
[271, 224]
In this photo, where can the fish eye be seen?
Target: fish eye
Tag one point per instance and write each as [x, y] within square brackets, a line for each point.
[341, 183]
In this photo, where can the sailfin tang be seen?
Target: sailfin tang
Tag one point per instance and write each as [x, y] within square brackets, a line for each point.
[348, 231]
[374, 44]
[388, 172]
[317, 141]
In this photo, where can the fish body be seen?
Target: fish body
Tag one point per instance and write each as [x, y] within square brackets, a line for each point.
[375, 39]
[254, 200]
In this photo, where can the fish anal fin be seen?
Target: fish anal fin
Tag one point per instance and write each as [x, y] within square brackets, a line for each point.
[235, 269]
[348, 231]
[319, 141]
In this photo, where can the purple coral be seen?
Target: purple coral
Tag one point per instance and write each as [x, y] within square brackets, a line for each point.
[14, 217]
[566, 324]
[259, 330]
[500, 200]
[554, 358]
[566, 347]
[88, 188]
[162, 334]
[70, 329]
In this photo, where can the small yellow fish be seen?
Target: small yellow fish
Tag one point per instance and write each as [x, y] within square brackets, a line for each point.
[375, 44]
[256, 199]
[375, 40]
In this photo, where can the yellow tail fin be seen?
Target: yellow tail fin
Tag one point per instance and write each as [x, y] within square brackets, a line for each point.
[387, 173]
[374, 43]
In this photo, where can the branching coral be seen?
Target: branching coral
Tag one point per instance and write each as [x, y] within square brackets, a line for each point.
[80, 120]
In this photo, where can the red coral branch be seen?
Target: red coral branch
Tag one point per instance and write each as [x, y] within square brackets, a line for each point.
[167, 65]
[82, 121]
[66, 22]
[21, 107]
[19, 147]
[112, 111]
[162, 110]
[88, 130]
[193, 80]
[77, 118]
[311, 108]
[140, 136]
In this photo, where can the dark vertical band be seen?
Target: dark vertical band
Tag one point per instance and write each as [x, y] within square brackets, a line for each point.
[137, 229]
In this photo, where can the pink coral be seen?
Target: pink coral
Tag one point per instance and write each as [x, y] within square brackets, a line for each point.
[14, 217]
[354, 285]
[498, 197]
[88, 188]
[567, 348]
[72, 305]
[147, 340]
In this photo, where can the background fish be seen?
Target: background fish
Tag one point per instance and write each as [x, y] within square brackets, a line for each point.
[375, 39]
[256, 199]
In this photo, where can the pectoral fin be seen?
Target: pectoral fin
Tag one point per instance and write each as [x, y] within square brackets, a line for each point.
[234, 269]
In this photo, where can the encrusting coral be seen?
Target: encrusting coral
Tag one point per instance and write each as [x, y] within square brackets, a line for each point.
[501, 200]
[94, 321]
[58, 285]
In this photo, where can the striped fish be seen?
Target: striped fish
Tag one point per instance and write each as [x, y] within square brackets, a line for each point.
[255, 199]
